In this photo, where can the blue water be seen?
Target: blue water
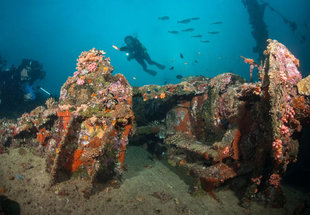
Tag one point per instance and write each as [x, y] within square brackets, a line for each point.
[55, 32]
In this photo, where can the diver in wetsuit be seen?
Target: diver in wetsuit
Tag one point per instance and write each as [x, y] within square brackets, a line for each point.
[137, 51]
[16, 83]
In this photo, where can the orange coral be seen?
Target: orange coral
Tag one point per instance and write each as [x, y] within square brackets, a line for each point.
[182, 162]
[65, 116]
[275, 179]
[121, 156]
[129, 101]
[122, 151]
[162, 96]
[127, 131]
[248, 60]
[42, 135]
[291, 56]
[299, 102]
[144, 97]
[257, 90]
[302, 110]
[235, 145]
[296, 61]
[252, 65]
[76, 160]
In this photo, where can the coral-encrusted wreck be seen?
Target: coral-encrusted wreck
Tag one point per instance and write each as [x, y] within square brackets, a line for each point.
[94, 120]
[223, 128]
[220, 130]
[86, 133]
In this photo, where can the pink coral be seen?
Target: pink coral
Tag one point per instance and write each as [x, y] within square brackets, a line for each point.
[275, 180]
[289, 112]
[80, 81]
[277, 149]
[226, 151]
[118, 89]
[76, 73]
[92, 67]
[283, 76]
[288, 65]
[257, 180]
[251, 72]
[225, 81]
[89, 57]
[284, 129]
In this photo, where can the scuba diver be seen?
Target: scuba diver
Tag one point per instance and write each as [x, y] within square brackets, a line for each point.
[135, 50]
[16, 83]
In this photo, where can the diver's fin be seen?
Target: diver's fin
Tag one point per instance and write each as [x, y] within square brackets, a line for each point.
[160, 66]
[151, 72]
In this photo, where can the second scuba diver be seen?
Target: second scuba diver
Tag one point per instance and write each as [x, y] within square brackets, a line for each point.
[137, 51]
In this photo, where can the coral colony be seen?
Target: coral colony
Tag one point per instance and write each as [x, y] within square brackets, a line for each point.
[215, 128]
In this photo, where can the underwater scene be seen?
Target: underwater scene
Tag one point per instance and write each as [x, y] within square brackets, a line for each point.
[155, 107]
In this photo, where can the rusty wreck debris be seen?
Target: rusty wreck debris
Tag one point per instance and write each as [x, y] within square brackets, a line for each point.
[219, 130]
[224, 128]
[86, 132]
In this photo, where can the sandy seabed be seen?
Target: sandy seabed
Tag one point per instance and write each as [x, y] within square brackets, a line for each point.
[24, 190]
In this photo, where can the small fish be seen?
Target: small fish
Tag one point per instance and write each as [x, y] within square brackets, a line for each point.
[173, 32]
[181, 55]
[303, 38]
[197, 36]
[115, 47]
[171, 68]
[195, 18]
[179, 76]
[185, 63]
[204, 41]
[217, 23]
[184, 21]
[134, 78]
[164, 18]
[213, 32]
[188, 30]
[196, 61]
